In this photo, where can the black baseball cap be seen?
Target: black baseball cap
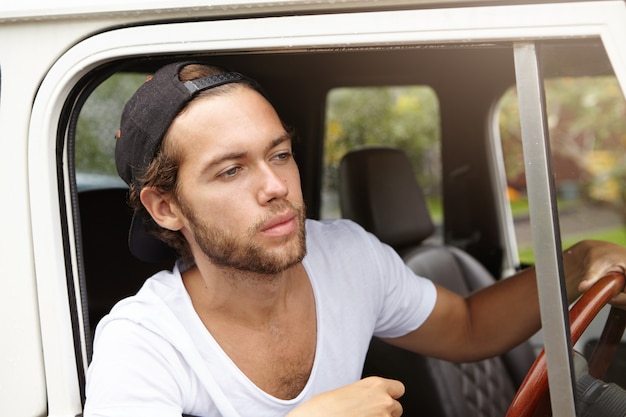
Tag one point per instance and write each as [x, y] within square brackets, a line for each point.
[145, 119]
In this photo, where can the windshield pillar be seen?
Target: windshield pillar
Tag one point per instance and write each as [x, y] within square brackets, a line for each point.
[546, 236]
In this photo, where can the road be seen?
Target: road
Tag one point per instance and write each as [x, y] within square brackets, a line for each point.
[574, 222]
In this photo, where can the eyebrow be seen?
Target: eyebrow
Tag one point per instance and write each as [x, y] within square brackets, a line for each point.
[238, 155]
[283, 138]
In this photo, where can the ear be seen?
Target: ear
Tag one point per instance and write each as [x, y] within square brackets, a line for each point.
[162, 208]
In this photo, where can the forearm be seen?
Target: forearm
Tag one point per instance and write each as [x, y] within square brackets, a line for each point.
[502, 315]
[369, 397]
[497, 318]
[487, 323]
[507, 313]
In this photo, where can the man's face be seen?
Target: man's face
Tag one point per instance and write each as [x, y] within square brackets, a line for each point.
[240, 192]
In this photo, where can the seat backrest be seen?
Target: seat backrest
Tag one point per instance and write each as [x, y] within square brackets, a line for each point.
[378, 190]
[111, 272]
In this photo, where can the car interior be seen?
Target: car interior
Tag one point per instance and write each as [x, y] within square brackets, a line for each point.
[379, 191]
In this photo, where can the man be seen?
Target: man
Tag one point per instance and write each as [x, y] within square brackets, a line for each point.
[266, 313]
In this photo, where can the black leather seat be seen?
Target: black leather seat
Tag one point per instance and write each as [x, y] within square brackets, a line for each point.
[110, 271]
[378, 190]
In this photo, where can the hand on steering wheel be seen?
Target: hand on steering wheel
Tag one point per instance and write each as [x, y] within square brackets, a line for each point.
[532, 398]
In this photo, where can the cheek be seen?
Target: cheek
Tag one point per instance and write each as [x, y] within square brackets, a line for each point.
[232, 211]
[292, 179]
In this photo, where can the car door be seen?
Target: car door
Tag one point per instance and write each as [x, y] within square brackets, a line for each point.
[294, 57]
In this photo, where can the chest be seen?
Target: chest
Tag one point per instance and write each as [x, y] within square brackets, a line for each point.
[277, 359]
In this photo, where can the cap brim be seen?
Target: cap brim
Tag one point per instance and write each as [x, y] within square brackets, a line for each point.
[145, 246]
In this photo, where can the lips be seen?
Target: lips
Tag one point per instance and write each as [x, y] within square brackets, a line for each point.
[280, 224]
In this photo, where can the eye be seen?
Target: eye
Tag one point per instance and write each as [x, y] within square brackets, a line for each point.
[229, 173]
[282, 156]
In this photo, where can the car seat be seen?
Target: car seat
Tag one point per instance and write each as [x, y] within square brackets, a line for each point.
[378, 190]
[110, 271]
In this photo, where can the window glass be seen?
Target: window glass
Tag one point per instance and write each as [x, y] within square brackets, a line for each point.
[96, 129]
[587, 127]
[401, 117]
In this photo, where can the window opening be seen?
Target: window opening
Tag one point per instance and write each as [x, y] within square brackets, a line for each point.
[401, 117]
[587, 130]
[107, 270]
[587, 124]
[95, 133]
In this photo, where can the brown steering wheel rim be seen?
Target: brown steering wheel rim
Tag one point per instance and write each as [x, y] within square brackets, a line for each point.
[532, 398]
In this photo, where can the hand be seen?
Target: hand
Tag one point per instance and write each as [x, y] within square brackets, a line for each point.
[588, 261]
[369, 397]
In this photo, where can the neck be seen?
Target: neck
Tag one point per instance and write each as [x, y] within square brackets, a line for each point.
[242, 296]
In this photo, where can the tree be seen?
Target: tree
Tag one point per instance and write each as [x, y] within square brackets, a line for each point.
[587, 127]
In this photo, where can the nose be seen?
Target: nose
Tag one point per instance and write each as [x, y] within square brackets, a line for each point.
[271, 185]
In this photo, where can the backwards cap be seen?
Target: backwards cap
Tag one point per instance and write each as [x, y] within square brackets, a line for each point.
[151, 110]
[146, 118]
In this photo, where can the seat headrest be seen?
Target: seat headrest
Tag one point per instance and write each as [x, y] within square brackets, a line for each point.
[378, 190]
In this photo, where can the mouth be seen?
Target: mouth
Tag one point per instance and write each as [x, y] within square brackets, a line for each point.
[281, 224]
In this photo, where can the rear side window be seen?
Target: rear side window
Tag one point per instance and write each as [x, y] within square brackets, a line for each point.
[400, 117]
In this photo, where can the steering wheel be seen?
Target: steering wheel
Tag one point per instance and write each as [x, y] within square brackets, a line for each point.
[532, 398]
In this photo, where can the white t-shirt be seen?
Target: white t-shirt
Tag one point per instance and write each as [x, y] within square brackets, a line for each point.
[154, 357]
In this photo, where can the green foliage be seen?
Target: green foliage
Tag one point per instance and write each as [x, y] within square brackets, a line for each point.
[586, 116]
[405, 117]
[99, 121]
[615, 235]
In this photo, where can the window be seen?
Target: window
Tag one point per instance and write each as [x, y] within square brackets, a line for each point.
[587, 123]
[95, 132]
[401, 117]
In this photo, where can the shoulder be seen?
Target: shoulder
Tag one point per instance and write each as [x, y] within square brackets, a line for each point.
[156, 309]
[153, 295]
[134, 369]
[342, 238]
[336, 229]
[343, 247]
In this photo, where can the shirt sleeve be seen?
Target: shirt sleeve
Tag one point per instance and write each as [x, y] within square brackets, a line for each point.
[408, 298]
[403, 299]
[385, 296]
[134, 372]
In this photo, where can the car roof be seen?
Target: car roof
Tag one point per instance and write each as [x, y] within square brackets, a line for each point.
[47, 10]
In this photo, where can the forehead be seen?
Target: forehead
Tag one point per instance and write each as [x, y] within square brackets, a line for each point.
[237, 118]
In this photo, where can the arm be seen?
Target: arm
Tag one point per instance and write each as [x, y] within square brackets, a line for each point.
[497, 318]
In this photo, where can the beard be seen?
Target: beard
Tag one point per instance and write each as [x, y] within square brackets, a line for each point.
[240, 252]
